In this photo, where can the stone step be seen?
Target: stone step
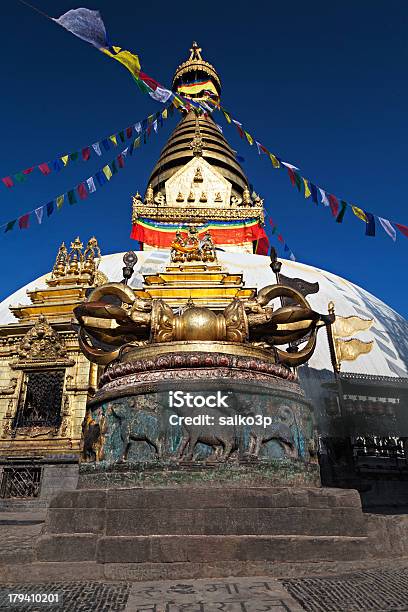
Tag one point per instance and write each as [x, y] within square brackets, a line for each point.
[198, 548]
[228, 497]
[207, 521]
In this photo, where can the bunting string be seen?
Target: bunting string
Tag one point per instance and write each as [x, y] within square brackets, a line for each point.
[93, 183]
[318, 195]
[98, 149]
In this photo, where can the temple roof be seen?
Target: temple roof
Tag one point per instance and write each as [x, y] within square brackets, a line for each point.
[215, 149]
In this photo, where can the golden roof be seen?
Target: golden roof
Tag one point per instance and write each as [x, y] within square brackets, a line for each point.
[193, 66]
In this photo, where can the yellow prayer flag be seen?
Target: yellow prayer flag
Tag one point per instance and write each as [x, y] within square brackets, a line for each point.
[60, 201]
[113, 139]
[359, 213]
[107, 172]
[65, 159]
[137, 142]
[274, 161]
[164, 113]
[249, 138]
[128, 59]
[307, 190]
[226, 115]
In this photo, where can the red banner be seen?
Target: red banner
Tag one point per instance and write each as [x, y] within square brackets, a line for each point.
[235, 235]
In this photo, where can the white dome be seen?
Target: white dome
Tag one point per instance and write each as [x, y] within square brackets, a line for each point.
[389, 356]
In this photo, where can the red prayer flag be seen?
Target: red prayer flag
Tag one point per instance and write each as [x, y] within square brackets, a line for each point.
[23, 221]
[8, 181]
[28, 170]
[292, 176]
[121, 161]
[82, 192]
[334, 205]
[149, 81]
[45, 169]
[403, 229]
[129, 132]
[280, 238]
[86, 153]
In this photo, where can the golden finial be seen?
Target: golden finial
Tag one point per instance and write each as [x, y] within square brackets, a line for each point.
[149, 195]
[195, 52]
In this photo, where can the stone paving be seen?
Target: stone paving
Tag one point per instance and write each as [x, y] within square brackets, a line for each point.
[373, 590]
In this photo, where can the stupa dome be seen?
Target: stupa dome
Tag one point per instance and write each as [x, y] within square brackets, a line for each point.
[388, 358]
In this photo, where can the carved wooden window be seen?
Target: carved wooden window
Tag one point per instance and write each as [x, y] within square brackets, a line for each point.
[41, 399]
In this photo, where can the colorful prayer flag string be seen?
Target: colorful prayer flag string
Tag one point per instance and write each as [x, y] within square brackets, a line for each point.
[337, 207]
[81, 191]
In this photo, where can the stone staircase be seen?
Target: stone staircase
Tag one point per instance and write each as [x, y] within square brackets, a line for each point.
[185, 526]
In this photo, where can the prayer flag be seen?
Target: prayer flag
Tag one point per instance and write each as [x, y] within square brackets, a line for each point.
[342, 212]
[124, 153]
[129, 132]
[24, 221]
[60, 201]
[370, 227]
[292, 176]
[259, 147]
[91, 184]
[39, 214]
[86, 153]
[113, 139]
[334, 205]
[82, 192]
[50, 208]
[155, 125]
[274, 160]
[71, 197]
[388, 228]
[298, 180]
[20, 177]
[105, 144]
[65, 159]
[359, 213]
[219, 128]
[292, 257]
[325, 201]
[85, 24]
[227, 116]
[107, 172]
[122, 136]
[57, 164]
[101, 178]
[148, 80]
[286, 249]
[307, 190]
[121, 161]
[160, 94]
[126, 58]
[164, 113]
[74, 156]
[10, 225]
[45, 169]
[96, 147]
[249, 138]
[113, 167]
[313, 190]
[291, 166]
[239, 128]
[280, 238]
[28, 170]
[403, 229]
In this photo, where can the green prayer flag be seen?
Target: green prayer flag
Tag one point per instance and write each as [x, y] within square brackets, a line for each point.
[341, 214]
[20, 177]
[298, 180]
[122, 136]
[71, 197]
[10, 225]
[74, 156]
[113, 167]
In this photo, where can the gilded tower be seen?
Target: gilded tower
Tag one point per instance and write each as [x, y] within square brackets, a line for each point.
[197, 180]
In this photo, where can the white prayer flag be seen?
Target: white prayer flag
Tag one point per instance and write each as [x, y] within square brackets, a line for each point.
[96, 147]
[91, 184]
[39, 212]
[325, 201]
[388, 228]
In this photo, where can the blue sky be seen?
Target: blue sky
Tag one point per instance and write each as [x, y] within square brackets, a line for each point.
[321, 84]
